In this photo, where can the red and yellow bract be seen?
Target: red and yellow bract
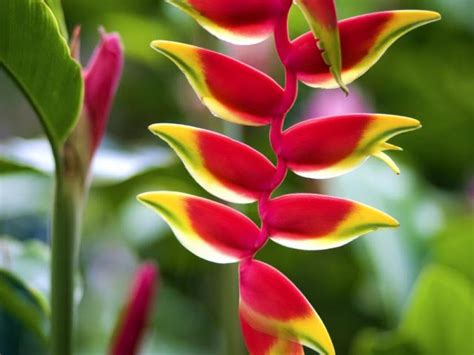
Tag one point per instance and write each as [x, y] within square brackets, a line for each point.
[275, 316]
[239, 22]
[364, 39]
[331, 146]
[225, 167]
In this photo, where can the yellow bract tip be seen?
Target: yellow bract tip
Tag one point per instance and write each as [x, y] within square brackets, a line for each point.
[387, 160]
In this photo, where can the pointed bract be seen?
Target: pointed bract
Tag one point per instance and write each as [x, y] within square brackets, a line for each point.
[101, 79]
[317, 222]
[364, 39]
[230, 89]
[322, 17]
[241, 22]
[331, 146]
[210, 230]
[225, 167]
[271, 304]
[259, 343]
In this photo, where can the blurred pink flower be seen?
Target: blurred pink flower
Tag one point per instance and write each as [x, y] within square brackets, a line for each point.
[133, 322]
[101, 79]
[335, 102]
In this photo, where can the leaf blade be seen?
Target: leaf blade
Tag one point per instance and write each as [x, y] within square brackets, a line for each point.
[38, 59]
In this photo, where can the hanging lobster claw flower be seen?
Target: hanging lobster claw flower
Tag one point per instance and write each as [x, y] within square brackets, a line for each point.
[322, 17]
[210, 230]
[101, 79]
[226, 168]
[317, 222]
[364, 39]
[259, 343]
[133, 321]
[238, 22]
[249, 98]
[326, 147]
[271, 304]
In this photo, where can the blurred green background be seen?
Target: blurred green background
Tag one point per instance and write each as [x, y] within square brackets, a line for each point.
[407, 291]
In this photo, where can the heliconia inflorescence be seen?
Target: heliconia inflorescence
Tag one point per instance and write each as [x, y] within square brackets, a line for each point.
[275, 316]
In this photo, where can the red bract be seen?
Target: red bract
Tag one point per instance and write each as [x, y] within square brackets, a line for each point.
[275, 317]
[239, 22]
[101, 79]
[316, 222]
[208, 229]
[331, 146]
[364, 39]
[226, 168]
[250, 98]
[271, 304]
[259, 343]
[137, 311]
[322, 17]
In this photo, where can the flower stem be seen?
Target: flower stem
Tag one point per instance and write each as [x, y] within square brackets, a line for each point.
[66, 226]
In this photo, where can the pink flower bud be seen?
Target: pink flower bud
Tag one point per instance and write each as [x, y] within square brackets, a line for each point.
[101, 78]
[132, 325]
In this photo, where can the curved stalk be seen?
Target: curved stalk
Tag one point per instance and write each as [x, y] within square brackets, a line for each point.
[283, 46]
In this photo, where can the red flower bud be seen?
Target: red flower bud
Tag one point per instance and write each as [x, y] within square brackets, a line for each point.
[101, 78]
[133, 322]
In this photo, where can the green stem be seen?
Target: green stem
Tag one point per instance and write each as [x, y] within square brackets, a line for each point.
[66, 226]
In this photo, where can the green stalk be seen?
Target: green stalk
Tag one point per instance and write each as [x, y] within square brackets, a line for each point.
[66, 227]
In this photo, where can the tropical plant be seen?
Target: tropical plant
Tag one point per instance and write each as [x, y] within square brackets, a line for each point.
[275, 317]
[73, 105]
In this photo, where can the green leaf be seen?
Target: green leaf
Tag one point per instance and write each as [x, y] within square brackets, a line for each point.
[23, 304]
[455, 246]
[28, 260]
[57, 9]
[375, 342]
[441, 313]
[36, 55]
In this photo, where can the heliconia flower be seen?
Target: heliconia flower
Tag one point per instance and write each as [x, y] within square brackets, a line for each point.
[226, 168]
[322, 17]
[101, 79]
[259, 343]
[238, 22]
[137, 311]
[317, 222]
[331, 146]
[230, 89]
[273, 305]
[364, 39]
[210, 230]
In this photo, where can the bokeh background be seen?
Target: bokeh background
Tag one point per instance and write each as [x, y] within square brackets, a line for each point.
[406, 291]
